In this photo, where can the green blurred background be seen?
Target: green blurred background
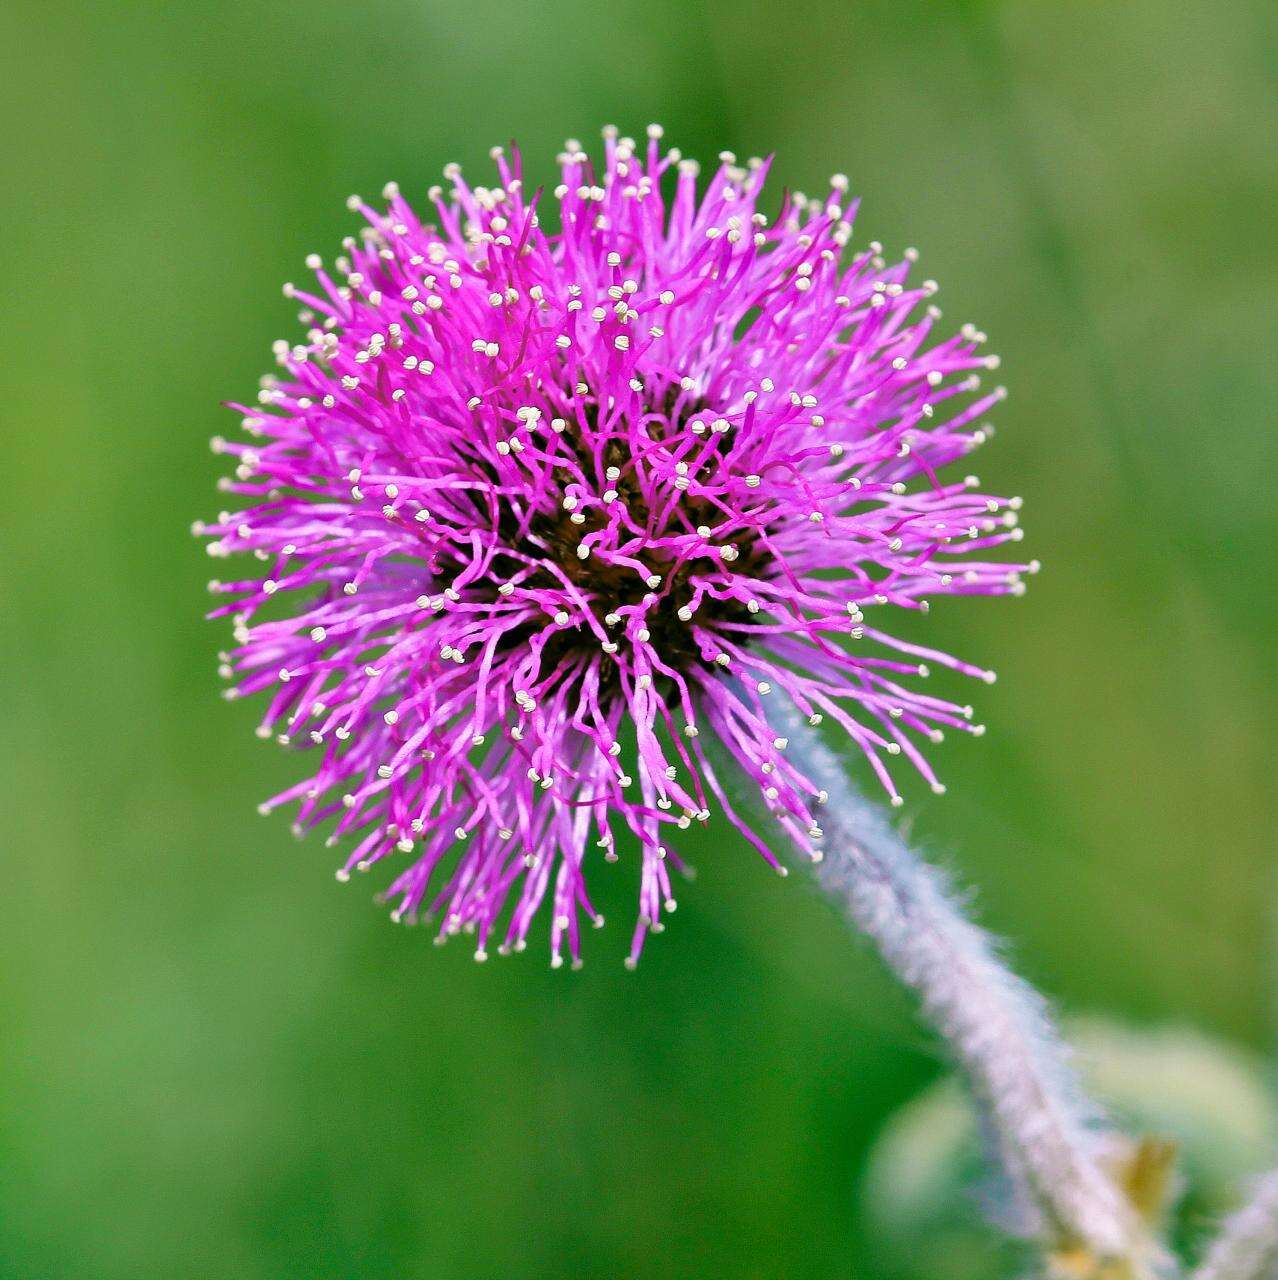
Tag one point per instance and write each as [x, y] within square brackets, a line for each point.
[216, 1061]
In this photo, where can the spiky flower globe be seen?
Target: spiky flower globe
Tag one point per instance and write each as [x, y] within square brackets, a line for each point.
[544, 498]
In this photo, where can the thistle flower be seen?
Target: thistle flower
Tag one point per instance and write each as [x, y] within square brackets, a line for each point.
[538, 509]
[541, 509]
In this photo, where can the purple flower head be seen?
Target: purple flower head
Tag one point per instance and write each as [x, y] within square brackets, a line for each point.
[540, 510]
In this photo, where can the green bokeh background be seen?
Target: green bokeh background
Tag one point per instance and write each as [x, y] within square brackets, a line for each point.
[218, 1062]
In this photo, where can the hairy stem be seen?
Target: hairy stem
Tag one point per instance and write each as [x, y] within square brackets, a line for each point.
[996, 1026]
[1247, 1247]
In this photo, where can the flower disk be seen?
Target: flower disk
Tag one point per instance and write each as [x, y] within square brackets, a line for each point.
[542, 509]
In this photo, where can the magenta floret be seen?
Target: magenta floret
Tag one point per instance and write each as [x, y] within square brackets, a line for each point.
[539, 509]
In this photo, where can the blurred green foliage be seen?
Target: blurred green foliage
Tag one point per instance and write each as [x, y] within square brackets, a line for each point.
[216, 1061]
